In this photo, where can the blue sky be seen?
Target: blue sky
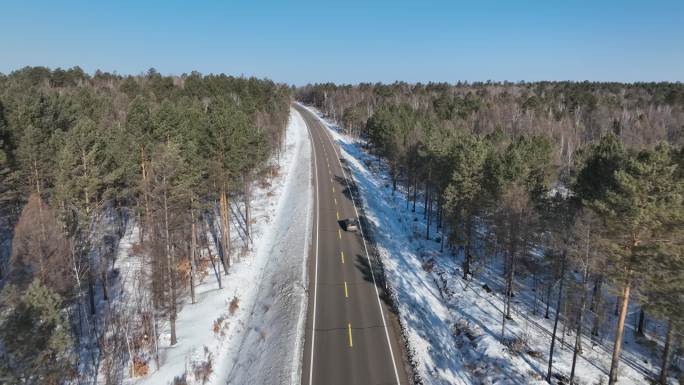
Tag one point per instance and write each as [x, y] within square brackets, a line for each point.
[352, 41]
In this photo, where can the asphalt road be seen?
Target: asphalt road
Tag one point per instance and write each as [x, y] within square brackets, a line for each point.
[351, 337]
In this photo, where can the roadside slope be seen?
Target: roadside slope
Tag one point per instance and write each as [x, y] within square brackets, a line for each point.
[271, 347]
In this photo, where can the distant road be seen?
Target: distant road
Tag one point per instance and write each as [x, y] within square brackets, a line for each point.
[350, 338]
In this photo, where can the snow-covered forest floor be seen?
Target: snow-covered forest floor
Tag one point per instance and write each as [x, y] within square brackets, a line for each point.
[454, 325]
[250, 331]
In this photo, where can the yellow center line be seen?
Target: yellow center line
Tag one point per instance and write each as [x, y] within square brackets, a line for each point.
[335, 199]
[342, 255]
[346, 291]
[351, 343]
[338, 215]
[333, 188]
[339, 233]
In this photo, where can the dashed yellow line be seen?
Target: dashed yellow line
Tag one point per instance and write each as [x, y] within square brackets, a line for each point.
[351, 342]
[339, 233]
[346, 291]
[333, 188]
[338, 215]
[342, 255]
[335, 199]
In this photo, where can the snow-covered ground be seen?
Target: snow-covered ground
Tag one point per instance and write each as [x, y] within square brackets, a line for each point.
[453, 326]
[260, 341]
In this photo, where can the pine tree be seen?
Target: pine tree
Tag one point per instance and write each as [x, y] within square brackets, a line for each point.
[225, 139]
[634, 214]
[139, 129]
[166, 196]
[662, 284]
[463, 196]
[37, 346]
[78, 192]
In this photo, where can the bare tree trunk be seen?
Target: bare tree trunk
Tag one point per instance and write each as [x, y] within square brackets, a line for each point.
[595, 304]
[40, 218]
[665, 366]
[428, 210]
[130, 353]
[535, 310]
[171, 267]
[91, 291]
[425, 203]
[146, 220]
[156, 339]
[103, 278]
[466, 249]
[555, 322]
[503, 320]
[578, 337]
[509, 280]
[565, 325]
[640, 325]
[415, 194]
[549, 287]
[439, 213]
[248, 210]
[217, 269]
[612, 378]
[225, 230]
[193, 248]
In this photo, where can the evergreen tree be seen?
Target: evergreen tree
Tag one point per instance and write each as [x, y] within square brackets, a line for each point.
[225, 140]
[464, 194]
[635, 214]
[37, 346]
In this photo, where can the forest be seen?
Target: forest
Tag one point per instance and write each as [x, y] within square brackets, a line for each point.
[82, 156]
[578, 187]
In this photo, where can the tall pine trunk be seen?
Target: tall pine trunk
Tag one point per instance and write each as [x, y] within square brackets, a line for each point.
[640, 324]
[214, 265]
[555, 322]
[595, 304]
[170, 266]
[193, 248]
[513, 249]
[615, 360]
[549, 288]
[428, 210]
[248, 211]
[466, 249]
[665, 366]
[225, 230]
[40, 217]
[578, 333]
[146, 219]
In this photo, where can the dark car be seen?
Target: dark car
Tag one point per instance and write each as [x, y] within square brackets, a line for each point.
[350, 224]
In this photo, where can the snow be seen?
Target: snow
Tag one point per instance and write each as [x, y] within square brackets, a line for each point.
[254, 344]
[454, 326]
